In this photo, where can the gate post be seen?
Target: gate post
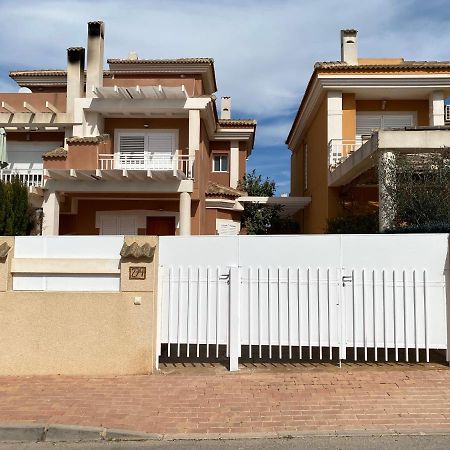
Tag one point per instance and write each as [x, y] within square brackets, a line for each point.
[233, 323]
[447, 288]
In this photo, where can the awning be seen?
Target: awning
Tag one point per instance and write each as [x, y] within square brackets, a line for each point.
[290, 205]
[3, 155]
[142, 92]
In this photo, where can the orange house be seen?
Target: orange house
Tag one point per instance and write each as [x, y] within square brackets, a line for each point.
[354, 112]
[136, 149]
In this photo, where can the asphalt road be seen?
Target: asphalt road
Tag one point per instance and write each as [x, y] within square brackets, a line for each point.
[431, 442]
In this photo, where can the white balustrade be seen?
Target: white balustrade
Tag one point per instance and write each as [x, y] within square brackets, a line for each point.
[144, 161]
[341, 149]
[30, 178]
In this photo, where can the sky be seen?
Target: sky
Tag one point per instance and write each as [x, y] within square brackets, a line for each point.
[264, 50]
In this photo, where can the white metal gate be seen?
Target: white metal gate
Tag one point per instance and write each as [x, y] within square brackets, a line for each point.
[295, 297]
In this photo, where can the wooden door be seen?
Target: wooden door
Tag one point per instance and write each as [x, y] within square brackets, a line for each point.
[160, 226]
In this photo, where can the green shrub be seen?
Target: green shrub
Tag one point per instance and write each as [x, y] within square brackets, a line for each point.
[357, 224]
[432, 227]
[15, 218]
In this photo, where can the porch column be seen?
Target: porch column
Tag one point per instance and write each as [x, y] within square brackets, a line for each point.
[437, 113]
[334, 119]
[50, 209]
[185, 214]
[386, 182]
[234, 164]
[194, 131]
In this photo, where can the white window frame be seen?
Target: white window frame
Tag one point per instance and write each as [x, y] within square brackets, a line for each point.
[146, 133]
[228, 162]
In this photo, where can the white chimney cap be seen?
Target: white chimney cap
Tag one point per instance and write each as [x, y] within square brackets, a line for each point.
[133, 56]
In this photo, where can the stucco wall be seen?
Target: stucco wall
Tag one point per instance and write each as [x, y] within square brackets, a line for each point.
[81, 333]
[75, 333]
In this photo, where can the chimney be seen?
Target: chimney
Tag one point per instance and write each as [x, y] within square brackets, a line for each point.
[349, 47]
[95, 50]
[225, 108]
[75, 76]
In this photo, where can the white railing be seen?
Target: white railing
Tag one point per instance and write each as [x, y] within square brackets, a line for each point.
[341, 149]
[447, 113]
[30, 178]
[141, 161]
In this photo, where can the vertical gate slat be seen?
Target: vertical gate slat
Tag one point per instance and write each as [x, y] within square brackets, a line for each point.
[374, 316]
[299, 313]
[280, 349]
[249, 312]
[425, 311]
[405, 317]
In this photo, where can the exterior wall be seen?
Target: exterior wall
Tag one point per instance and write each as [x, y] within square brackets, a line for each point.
[324, 200]
[193, 85]
[182, 125]
[36, 100]
[348, 116]
[80, 333]
[242, 160]
[360, 200]
[83, 223]
[36, 136]
[421, 107]
[219, 148]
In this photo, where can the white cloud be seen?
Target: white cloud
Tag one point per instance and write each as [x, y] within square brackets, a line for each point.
[264, 50]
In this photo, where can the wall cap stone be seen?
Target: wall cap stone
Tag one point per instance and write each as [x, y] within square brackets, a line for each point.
[138, 252]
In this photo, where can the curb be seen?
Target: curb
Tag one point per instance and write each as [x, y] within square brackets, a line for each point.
[69, 433]
[74, 433]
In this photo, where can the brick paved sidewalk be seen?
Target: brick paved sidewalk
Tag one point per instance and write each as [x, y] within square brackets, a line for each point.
[360, 397]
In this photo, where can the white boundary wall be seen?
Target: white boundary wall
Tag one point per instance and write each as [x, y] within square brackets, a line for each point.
[293, 296]
[80, 263]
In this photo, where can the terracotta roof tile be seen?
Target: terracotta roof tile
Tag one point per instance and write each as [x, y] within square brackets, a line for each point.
[217, 190]
[161, 61]
[407, 65]
[44, 73]
[58, 152]
[88, 140]
[236, 123]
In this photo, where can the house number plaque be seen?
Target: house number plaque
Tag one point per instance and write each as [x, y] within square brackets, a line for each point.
[137, 273]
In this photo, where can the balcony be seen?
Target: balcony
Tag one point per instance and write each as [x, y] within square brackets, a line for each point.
[29, 177]
[353, 159]
[340, 149]
[155, 165]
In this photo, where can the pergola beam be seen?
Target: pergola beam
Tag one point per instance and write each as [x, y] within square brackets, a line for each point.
[30, 108]
[8, 107]
[52, 107]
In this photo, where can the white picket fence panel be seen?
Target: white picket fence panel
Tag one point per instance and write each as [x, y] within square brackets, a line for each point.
[295, 297]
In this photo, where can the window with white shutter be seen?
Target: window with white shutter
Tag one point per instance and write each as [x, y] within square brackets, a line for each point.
[397, 120]
[366, 123]
[147, 150]
[132, 150]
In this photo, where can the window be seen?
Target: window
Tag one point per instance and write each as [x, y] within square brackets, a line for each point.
[220, 163]
[149, 149]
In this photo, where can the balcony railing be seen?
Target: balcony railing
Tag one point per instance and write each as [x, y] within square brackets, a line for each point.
[341, 149]
[447, 113]
[29, 177]
[180, 164]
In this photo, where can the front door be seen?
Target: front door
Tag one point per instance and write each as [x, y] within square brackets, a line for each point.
[160, 226]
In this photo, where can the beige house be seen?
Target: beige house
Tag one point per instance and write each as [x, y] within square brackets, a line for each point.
[353, 112]
[136, 149]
